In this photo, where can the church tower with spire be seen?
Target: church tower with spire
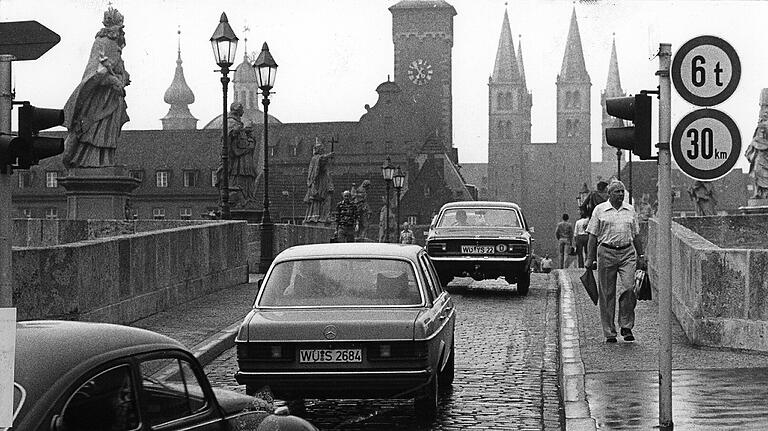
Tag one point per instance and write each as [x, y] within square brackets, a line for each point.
[179, 96]
[573, 105]
[612, 89]
[509, 120]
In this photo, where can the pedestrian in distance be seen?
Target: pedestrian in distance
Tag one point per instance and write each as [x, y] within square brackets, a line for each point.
[615, 246]
[546, 264]
[595, 198]
[581, 237]
[406, 235]
[564, 235]
[346, 218]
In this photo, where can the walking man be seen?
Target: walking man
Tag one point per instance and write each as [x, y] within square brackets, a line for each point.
[564, 235]
[614, 243]
[346, 218]
[581, 237]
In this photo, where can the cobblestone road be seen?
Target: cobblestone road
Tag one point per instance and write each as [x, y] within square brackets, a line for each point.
[506, 369]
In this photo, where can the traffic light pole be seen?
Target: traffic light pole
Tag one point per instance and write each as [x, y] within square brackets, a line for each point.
[663, 239]
[6, 104]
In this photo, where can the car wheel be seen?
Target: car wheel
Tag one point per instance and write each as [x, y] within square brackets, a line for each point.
[426, 402]
[445, 379]
[523, 283]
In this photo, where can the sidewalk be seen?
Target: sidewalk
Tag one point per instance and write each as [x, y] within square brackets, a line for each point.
[207, 325]
[615, 386]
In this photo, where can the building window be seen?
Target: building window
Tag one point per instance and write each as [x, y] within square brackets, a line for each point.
[271, 151]
[158, 213]
[162, 178]
[26, 212]
[412, 220]
[295, 151]
[213, 178]
[427, 191]
[185, 213]
[51, 213]
[133, 213]
[51, 179]
[190, 178]
[25, 179]
[138, 174]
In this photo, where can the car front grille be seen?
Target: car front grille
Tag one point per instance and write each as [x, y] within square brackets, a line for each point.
[452, 247]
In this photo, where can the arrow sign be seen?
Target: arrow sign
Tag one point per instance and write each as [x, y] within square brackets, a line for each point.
[26, 40]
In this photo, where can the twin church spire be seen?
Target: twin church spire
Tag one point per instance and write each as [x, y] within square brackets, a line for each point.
[508, 68]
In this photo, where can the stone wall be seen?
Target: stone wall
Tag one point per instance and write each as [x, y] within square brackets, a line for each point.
[123, 278]
[719, 295]
[285, 235]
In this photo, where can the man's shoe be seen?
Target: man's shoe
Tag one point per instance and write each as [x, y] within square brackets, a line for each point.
[627, 334]
[610, 340]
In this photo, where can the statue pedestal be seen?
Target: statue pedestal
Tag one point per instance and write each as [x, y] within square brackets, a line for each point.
[755, 206]
[98, 193]
[252, 216]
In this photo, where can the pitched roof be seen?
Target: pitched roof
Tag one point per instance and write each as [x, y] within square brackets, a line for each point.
[613, 83]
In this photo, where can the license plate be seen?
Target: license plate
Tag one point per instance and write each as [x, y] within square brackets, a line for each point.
[330, 356]
[477, 249]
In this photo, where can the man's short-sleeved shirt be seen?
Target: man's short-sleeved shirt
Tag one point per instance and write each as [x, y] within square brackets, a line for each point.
[613, 227]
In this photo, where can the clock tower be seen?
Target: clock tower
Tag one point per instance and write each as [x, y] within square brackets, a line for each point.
[422, 31]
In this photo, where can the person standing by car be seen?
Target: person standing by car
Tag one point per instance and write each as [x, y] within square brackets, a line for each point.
[564, 235]
[346, 218]
[581, 236]
[613, 230]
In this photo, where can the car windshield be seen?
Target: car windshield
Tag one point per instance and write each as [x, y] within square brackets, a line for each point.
[479, 217]
[341, 282]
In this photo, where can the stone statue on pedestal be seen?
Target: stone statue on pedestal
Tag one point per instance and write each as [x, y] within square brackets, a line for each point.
[757, 151]
[319, 186]
[703, 195]
[96, 110]
[242, 160]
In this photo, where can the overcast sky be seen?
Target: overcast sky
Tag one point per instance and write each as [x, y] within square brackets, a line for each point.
[333, 53]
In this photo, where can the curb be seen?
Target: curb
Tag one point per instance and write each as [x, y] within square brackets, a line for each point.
[210, 348]
[577, 414]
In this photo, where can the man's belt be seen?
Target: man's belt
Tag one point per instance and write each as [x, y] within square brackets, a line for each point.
[615, 247]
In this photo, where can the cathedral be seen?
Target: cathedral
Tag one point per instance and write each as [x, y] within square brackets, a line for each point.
[544, 178]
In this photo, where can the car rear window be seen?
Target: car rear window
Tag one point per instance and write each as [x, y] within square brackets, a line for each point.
[341, 282]
[480, 217]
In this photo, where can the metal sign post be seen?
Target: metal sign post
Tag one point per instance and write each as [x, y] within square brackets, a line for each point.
[663, 240]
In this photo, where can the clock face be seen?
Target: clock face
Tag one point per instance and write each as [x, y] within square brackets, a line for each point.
[419, 72]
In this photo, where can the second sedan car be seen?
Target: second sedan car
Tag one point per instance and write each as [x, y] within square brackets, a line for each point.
[353, 320]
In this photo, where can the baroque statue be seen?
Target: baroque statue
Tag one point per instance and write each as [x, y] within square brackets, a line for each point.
[319, 185]
[242, 160]
[757, 151]
[703, 195]
[96, 111]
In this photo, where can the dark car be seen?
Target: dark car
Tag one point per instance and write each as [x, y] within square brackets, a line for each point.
[72, 376]
[354, 320]
[481, 240]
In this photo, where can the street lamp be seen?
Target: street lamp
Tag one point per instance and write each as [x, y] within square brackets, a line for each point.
[266, 69]
[224, 43]
[398, 179]
[387, 171]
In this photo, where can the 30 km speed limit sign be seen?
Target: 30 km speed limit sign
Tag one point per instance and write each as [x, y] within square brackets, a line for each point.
[706, 144]
[706, 70]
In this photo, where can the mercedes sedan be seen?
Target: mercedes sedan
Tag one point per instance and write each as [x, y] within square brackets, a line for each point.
[352, 320]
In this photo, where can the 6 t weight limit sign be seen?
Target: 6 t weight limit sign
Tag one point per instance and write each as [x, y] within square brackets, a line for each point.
[706, 70]
[706, 144]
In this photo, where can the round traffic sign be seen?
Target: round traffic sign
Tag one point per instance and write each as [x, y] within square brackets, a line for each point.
[706, 70]
[706, 144]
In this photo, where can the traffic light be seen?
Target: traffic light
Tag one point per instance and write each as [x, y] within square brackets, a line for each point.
[28, 148]
[636, 138]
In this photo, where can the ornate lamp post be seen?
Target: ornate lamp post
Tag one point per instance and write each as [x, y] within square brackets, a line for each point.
[398, 180]
[224, 43]
[387, 171]
[266, 69]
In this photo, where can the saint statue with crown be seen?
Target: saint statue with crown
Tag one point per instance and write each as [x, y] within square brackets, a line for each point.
[96, 111]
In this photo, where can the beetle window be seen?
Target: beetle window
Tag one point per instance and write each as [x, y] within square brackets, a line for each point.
[105, 402]
[341, 282]
[171, 390]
